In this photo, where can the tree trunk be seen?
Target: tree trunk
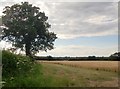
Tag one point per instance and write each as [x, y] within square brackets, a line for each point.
[27, 50]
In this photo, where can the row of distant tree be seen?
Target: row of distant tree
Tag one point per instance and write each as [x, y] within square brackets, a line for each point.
[114, 57]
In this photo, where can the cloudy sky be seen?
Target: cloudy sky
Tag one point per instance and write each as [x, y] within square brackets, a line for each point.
[82, 28]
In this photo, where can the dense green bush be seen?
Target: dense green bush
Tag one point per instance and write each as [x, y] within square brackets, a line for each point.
[15, 64]
[19, 71]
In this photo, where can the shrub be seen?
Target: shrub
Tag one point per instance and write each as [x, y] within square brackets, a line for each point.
[15, 64]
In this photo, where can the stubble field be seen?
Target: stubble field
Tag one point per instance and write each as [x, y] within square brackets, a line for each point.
[81, 73]
[97, 65]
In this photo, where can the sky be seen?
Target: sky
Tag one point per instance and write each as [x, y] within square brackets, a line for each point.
[82, 28]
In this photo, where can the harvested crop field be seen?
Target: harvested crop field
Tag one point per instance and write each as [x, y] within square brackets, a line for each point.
[80, 73]
[97, 65]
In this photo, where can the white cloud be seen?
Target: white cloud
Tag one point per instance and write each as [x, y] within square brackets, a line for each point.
[79, 50]
[84, 19]
[100, 19]
[73, 36]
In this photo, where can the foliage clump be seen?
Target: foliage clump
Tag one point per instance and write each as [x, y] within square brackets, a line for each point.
[13, 64]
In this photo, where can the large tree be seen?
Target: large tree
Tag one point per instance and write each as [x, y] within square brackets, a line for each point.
[26, 27]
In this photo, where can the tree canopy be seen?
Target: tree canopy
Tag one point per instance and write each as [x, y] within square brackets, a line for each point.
[27, 28]
[117, 54]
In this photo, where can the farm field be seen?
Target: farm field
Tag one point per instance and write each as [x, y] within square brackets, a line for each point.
[97, 65]
[81, 74]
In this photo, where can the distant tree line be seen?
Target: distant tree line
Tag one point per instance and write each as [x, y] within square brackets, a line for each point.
[112, 57]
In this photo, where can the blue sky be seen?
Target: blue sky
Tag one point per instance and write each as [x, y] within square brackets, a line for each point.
[82, 28]
[90, 41]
